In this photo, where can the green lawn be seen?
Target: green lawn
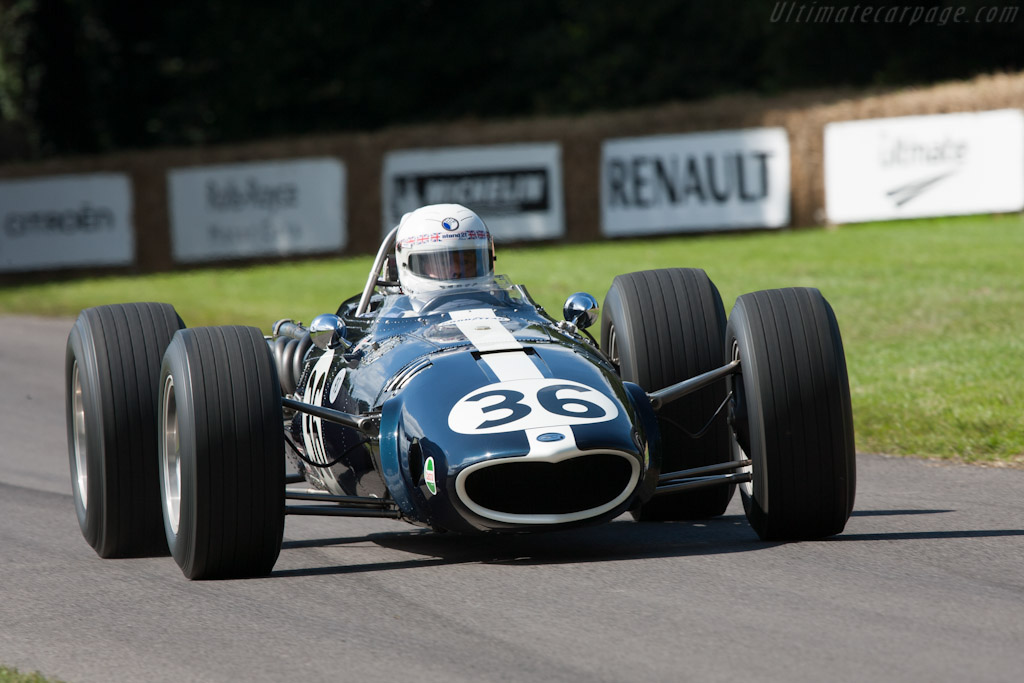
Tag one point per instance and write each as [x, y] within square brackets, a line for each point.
[8, 675]
[932, 311]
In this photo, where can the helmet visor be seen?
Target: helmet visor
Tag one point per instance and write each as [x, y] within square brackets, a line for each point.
[458, 264]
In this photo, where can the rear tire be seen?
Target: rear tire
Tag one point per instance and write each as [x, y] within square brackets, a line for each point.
[221, 453]
[112, 371]
[661, 327]
[791, 414]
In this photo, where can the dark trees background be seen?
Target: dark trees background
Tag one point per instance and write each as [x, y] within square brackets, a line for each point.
[87, 76]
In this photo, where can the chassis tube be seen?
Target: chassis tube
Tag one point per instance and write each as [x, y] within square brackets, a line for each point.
[702, 471]
[368, 424]
[318, 496]
[332, 511]
[704, 482]
[671, 393]
[688, 386]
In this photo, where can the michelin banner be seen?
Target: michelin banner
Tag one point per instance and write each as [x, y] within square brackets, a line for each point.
[915, 166]
[695, 182]
[516, 189]
[274, 208]
[66, 222]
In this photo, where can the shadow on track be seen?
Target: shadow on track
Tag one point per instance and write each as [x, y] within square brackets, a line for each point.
[623, 540]
[918, 535]
[616, 541]
[895, 513]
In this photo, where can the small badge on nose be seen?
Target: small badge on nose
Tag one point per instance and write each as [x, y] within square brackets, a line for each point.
[429, 476]
[550, 436]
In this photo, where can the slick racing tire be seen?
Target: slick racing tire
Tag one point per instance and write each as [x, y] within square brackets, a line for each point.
[111, 379]
[790, 411]
[221, 452]
[661, 327]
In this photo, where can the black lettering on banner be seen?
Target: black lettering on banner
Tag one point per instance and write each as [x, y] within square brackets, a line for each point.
[549, 400]
[491, 192]
[233, 196]
[640, 181]
[667, 180]
[269, 231]
[761, 180]
[673, 180]
[85, 219]
[762, 158]
[693, 186]
[511, 403]
[719, 196]
[617, 183]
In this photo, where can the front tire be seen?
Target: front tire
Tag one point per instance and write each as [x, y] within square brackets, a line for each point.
[221, 453]
[112, 368]
[791, 414]
[661, 327]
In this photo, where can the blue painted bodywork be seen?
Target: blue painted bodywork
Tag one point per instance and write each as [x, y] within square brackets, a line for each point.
[411, 364]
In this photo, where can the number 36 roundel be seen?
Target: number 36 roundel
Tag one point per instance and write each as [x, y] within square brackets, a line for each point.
[529, 404]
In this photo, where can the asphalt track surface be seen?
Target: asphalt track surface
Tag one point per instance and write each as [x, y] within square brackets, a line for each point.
[925, 584]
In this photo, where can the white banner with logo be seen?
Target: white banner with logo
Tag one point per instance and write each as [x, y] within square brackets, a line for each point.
[701, 181]
[66, 222]
[914, 166]
[516, 189]
[273, 208]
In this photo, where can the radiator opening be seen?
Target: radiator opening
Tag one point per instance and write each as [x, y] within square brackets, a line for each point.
[525, 487]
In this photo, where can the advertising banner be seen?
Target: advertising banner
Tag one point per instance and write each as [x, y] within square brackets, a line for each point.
[915, 166]
[66, 222]
[273, 208]
[695, 182]
[516, 189]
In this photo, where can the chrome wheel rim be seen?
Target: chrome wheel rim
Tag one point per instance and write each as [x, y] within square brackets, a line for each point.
[80, 442]
[613, 346]
[170, 457]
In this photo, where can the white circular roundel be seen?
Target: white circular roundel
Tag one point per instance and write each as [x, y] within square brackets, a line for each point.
[529, 404]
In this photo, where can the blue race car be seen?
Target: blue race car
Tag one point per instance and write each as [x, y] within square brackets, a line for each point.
[444, 396]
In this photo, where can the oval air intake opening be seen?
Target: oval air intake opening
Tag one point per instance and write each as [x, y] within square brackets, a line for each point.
[415, 461]
[524, 487]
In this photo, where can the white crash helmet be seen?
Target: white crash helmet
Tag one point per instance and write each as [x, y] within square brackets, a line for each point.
[443, 246]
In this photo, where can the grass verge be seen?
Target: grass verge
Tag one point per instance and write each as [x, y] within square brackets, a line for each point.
[14, 676]
[931, 311]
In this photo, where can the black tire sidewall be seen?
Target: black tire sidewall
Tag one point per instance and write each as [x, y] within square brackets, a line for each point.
[615, 319]
[795, 389]
[748, 390]
[693, 308]
[118, 349]
[213, 409]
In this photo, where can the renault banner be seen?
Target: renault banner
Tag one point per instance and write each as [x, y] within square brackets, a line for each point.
[695, 182]
[914, 166]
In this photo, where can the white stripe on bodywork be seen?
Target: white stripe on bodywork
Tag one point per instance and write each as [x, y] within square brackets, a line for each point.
[484, 331]
[508, 366]
[312, 426]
